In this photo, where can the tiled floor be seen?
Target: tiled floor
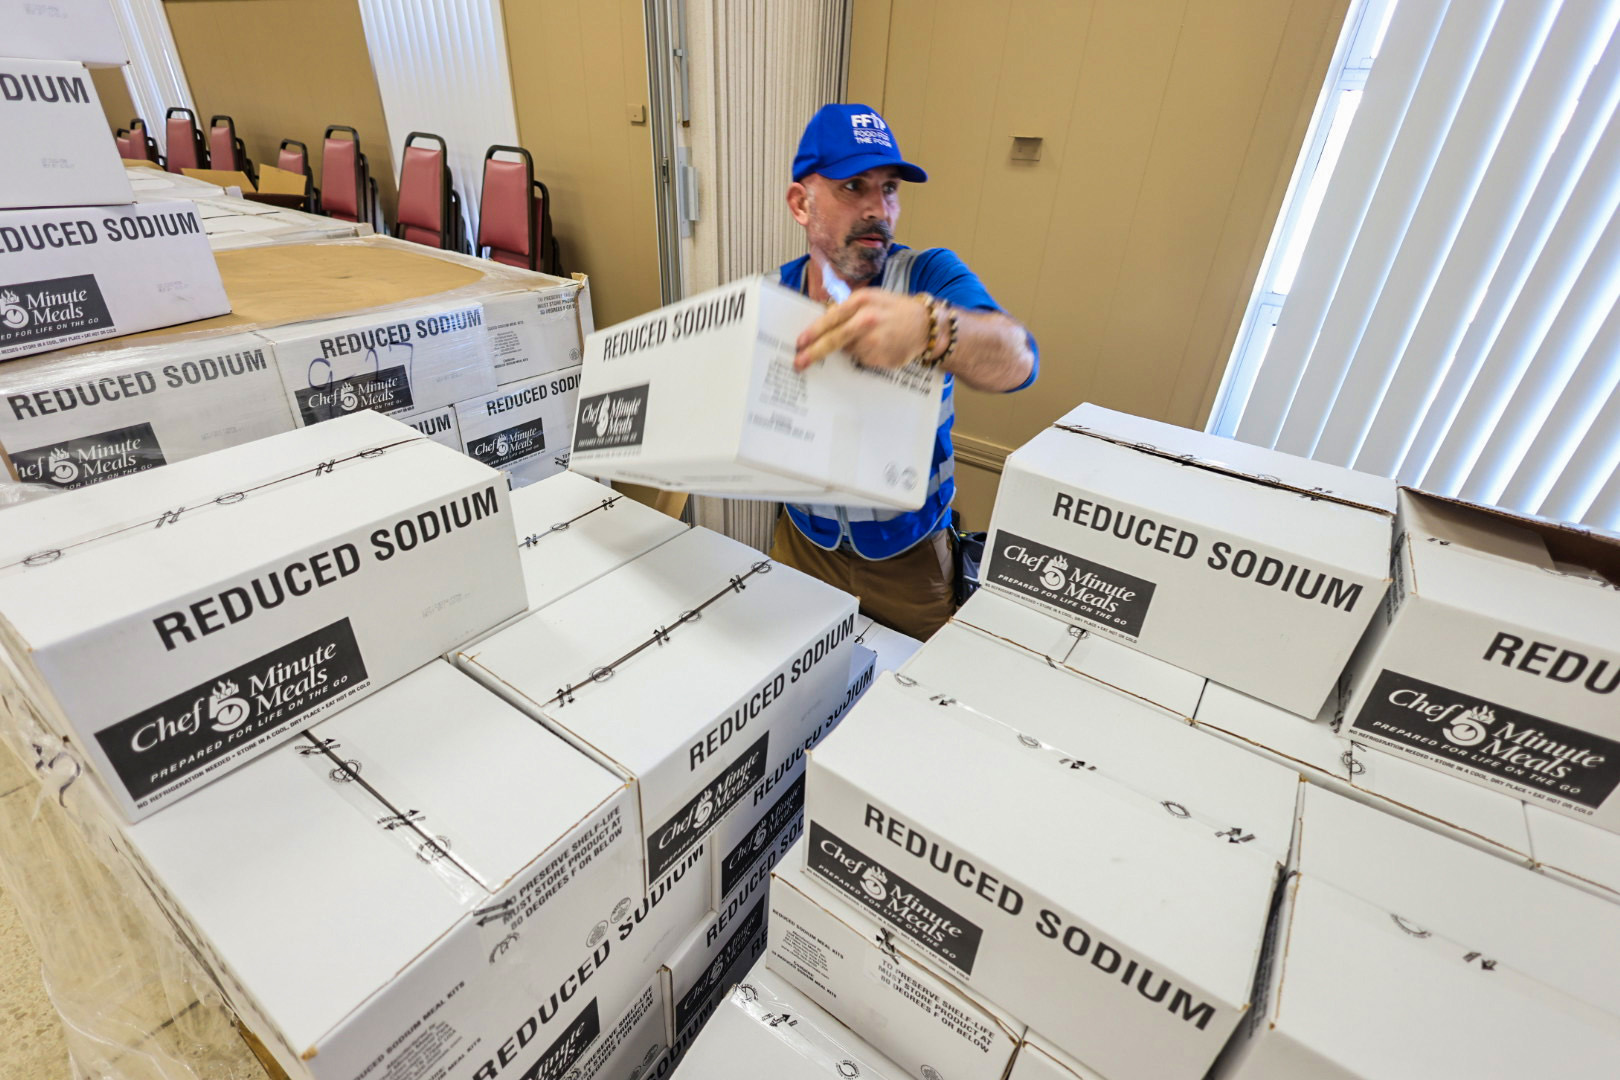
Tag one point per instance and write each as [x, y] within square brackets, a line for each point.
[31, 1042]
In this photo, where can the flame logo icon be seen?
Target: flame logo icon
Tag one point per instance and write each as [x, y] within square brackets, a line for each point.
[227, 711]
[62, 467]
[757, 841]
[602, 412]
[348, 399]
[875, 883]
[705, 809]
[1471, 728]
[12, 313]
[503, 446]
[1055, 573]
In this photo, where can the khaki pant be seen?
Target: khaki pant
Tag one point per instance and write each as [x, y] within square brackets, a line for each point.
[914, 592]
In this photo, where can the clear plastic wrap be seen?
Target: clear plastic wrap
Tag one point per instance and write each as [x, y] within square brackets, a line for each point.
[412, 331]
[135, 1004]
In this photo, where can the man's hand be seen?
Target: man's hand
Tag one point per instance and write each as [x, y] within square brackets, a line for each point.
[876, 327]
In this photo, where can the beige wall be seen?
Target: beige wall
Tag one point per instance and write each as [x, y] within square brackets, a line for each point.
[1169, 129]
[576, 69]
[114, 94]
[284, 69]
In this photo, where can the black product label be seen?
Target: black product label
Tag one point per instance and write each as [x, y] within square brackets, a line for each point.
[42, 310]
[180, 736]
[1094, 592]
[715, 979]
[735, 866]
[931, 924]
[607, 421]
[568, 1047]
[692, 822]
[1554, 761]
[383, 391]
[513, 444]
[90, 459]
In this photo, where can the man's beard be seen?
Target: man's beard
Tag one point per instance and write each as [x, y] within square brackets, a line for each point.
[856, 262]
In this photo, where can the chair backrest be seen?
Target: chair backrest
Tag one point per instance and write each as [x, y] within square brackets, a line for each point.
[424, 192]
[293, 156]
[343, 183]
[185, 141]
[224, 146]
[508, 218]
[141, 141]
[126, 145]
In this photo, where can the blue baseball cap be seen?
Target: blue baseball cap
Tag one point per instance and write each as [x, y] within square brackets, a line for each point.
[843, 140]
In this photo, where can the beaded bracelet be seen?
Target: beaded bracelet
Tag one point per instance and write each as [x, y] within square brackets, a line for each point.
[950, 346]
[931, 306]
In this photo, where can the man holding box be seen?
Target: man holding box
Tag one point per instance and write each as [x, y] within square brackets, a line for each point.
[891, 306]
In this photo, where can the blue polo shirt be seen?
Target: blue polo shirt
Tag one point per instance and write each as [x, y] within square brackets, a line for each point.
[882, 534]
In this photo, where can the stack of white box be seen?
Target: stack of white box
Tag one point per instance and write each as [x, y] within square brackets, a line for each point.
[1059, 843]
[429, 775]
[490, 369]
[80, 260]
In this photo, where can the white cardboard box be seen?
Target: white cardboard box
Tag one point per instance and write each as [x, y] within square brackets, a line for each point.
[892, 647]
[403, 359]
[719, 950]
[764, 1027]
[184, 619]
[1156, 536]
[1046, 888]
[58, 150]
[744, 835]
[1574, 852]
[628, 1049]
[1385, 923]
[68, 276]
[535, 332]
[843, 960]
[683, 670]
[1489, 820]
[524, 429]
[1073, 647]
[470, 871]
[72, 419]
[1038, 1059]
[1499, 665]
[1109, 734]
[82, 30]
[437, 424]
[836, 433]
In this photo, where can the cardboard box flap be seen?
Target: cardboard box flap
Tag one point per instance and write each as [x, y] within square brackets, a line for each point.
[1310, 744]
[280, 863]
[439, 745]
[948, 776]
[1113, 734]
[573, 530]
[1271, 467]
[607, 662]
[1038, 1059]
[1360, 990]
[1528, 922]
[1465, 529]
[143, 498]
[356, 491]
[1019, 625]
[1496, 817]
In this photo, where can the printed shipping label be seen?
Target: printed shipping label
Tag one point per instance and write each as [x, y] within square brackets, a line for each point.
[896, 901]
[1557, 762]
[712, 980]
[180, 736]
[682, 831]
[90, 459]
[383, 391]
[39, 310]
[514, 444]
[737, 862]
[1099, 594]
[568, 1047]
[608, 421]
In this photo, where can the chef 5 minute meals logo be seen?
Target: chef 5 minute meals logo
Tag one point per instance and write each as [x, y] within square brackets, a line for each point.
[1558, 762]
[511, 445]
[1100, 594]
[611, 420]
[89, 459]
[41, 310]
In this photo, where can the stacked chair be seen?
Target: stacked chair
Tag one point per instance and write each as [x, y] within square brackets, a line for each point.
[186, 147]
[134, 142]
[429, 207]
[293, 157]
[514, 214]
[225, 150]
